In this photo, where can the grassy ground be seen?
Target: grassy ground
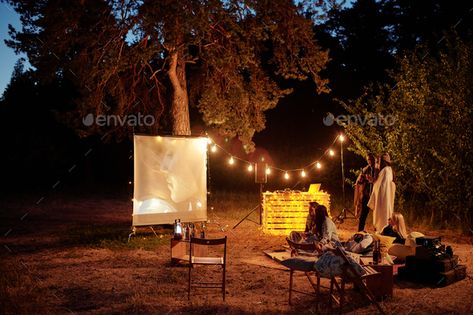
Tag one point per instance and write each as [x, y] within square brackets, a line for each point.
[72, 255]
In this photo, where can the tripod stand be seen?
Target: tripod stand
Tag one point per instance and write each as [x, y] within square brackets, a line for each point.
[343, 215]
[259, 207]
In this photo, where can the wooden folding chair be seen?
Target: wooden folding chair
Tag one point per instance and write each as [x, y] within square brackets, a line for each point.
[220, 260]
[307, 250]
[350, 275]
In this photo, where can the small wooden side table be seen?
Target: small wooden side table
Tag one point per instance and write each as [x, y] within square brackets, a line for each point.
[381, 285]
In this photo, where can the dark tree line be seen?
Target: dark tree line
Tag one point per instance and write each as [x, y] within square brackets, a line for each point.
[427, 48]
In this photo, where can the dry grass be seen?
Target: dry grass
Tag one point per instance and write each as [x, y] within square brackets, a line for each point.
[72, 255]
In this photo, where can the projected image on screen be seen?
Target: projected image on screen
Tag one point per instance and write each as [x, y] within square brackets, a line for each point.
[170, 180]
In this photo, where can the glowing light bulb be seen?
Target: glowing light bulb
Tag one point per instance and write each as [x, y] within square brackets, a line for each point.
[214, 148]
[341, 138]
[318, 165]
[286, 175]
[209, 141]
[250, 168]
[268, 171]
[303, 174]
[231, 161]
[331, 153]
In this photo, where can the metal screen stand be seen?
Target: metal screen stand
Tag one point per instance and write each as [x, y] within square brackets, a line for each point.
[259, 207]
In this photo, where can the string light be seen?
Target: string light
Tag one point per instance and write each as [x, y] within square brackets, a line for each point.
[268, 170]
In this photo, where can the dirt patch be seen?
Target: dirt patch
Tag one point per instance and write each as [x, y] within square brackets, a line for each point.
[73, 257]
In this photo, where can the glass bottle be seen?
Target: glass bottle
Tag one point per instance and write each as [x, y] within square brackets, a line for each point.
[192, 230]
[177, 229]
[187, 237]
[376, 253]
[202, 230]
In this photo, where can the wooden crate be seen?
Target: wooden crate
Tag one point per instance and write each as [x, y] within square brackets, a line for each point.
[287, 210]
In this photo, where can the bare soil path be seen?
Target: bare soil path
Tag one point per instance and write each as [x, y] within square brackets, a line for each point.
[71, 256]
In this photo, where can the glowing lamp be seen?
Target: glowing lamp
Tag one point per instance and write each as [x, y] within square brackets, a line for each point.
[286, 175]
[341, 138]
[303, 174]
[268, 171]
[231, 161]
[331, 152]
[214, 148]
[250, 168]
[318, 165]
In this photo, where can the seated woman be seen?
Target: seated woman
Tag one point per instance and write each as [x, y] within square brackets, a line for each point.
[359, 243]
[320, 228]
[397, 228]
[309, 231]
[325, 229]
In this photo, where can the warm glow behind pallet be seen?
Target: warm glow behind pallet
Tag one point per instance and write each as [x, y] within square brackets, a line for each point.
[286, 211]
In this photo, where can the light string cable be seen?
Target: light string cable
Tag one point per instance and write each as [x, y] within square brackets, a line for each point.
[316, 163]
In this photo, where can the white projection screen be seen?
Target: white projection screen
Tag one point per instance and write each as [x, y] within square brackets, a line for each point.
[170, 180]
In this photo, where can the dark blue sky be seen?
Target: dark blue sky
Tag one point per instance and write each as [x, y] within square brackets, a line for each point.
[7, 56]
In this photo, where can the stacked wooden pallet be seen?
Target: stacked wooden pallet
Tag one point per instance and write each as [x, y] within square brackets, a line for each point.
[287, 210]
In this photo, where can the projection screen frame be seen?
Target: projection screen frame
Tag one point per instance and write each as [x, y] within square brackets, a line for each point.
[200, 215]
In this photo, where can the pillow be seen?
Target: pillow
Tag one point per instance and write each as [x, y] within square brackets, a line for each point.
[411, 238]
[385, 241]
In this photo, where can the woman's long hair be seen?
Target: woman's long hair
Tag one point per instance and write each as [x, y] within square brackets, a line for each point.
[320, 215]
[398, 224]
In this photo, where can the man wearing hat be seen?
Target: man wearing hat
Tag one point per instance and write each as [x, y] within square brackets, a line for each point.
[382, 196]
[365, 182]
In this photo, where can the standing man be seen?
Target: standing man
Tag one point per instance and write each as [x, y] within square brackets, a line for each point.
[382, 196]
[365, 182]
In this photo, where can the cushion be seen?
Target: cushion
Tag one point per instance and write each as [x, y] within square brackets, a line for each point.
[402, 251]
[411, 238]
[385, 241]
[299, 263]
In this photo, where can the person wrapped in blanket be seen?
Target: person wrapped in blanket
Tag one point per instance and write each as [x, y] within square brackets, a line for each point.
[360, 243]
[320, 228]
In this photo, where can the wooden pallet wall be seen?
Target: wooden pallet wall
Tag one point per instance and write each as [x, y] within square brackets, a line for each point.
[286, 211]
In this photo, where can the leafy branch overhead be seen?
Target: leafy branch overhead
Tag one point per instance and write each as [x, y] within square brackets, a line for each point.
[158, 57]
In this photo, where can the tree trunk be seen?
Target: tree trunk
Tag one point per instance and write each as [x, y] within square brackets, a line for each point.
[180, 100]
